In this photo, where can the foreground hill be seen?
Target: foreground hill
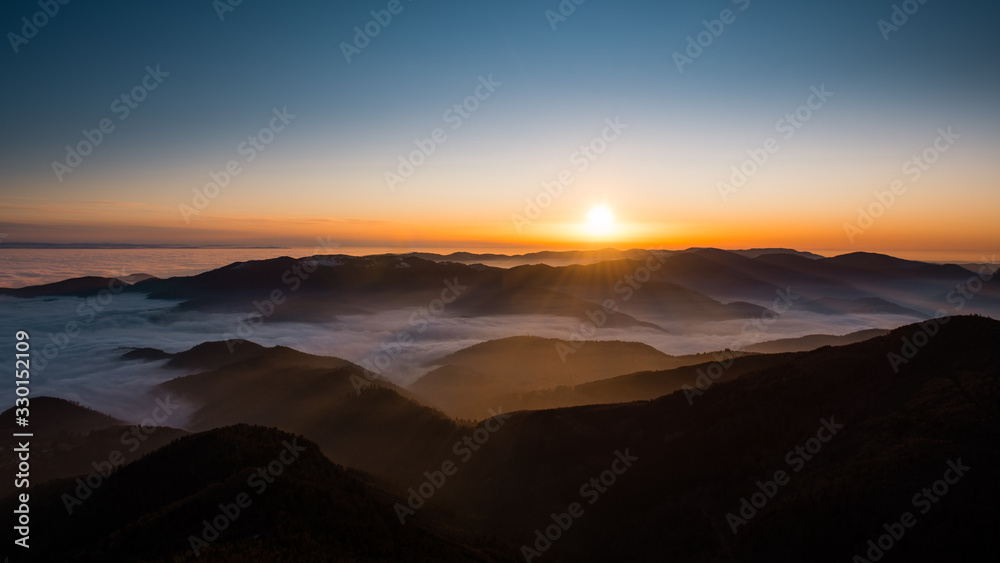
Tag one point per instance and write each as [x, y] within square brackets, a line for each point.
[857, 432]
[306, 509]
[696, 461]
[51, 416]
[70, 439]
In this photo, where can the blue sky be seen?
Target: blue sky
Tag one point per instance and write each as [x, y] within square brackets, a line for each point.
[606, 59]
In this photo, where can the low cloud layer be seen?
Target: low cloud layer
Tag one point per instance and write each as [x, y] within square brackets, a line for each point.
[86, 366]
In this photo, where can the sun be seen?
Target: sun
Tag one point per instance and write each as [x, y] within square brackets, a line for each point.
[600, 221]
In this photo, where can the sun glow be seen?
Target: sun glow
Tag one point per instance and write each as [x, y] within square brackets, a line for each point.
[600, 221]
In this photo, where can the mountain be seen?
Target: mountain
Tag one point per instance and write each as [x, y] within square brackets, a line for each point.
[757, 252]
[567, 258]
[896, 434]
[329, 400]
[648, 288]
[50, 416]
[812, 341]
[859, 306]
[497, 373]
[70, 439]
[208, 355]
[523, 299]
[296, 506]
[905, 282]
[858, 433]
[647, 385]
[77, 287]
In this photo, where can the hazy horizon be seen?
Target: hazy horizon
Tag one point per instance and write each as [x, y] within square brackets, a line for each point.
[35, 266]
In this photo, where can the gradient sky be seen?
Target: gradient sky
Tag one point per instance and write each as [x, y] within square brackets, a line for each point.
[324, 174]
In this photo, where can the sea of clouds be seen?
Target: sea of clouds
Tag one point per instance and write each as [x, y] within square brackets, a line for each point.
[85, 365]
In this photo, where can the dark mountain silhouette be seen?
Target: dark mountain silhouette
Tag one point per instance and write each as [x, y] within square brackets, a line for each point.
[50, 415]
[909, 283]
[566, 258]
[693, 286]
[646, 385]
[897, 409]
[812, 341]
[308, 509]
[145, 354]
[859, 306]
[75, 287]
[205, 356]
[505, 372]
[69, 439]
[319, 397]
[511, 299]
[696, 461]
[725, 276]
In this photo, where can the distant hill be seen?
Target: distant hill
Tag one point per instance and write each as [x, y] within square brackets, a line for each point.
[698, 285]
[488, 375]
[859, 306]
[204, 356]
[531, 299]
[571, 257]
[76, 287]
[647, 385]
[318, 397]
[812, 341]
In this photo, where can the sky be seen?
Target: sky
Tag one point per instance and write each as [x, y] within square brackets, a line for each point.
[858, 125]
